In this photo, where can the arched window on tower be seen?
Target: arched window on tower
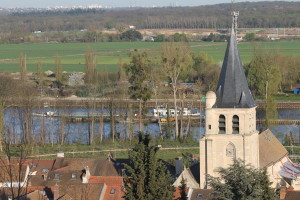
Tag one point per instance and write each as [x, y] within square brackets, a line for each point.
[222, 124]
[235, 125]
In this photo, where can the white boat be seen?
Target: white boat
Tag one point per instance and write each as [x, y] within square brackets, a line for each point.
[162, 111]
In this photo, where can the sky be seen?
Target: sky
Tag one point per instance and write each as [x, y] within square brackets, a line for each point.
[109, 3]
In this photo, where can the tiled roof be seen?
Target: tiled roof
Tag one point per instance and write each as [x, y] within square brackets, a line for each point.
[81, 191]
[97, 167]
[292, 195]
[38, 165]
[201, 194]
[270, 149]
[12, 172]
[36, 195]
[177, 193]
[108, 180]
[114, 193]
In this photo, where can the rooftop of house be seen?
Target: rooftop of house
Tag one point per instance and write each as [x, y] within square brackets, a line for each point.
[12, 172]
[201, 194]
[97, 167]
[270, 149]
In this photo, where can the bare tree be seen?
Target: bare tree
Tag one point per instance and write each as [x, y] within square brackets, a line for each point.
[90, 67]
[14, 173]
[23, 67]
[40, 74]
[175, 59]
[58, 69]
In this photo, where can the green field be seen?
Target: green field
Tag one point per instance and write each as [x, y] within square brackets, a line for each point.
[110, 54]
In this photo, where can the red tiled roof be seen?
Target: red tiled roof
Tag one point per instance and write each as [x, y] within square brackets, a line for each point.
[118, 193]
[177, 192]
[108, 180]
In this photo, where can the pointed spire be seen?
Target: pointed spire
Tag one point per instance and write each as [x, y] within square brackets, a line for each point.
[232, 90]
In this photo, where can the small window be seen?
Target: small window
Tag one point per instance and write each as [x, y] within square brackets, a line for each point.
[45, 170]
[112, 191]
[235, 125]
[56, 176]
[74, 175]
[199, 196]
[5, 185]
[222, 124]
[209, 127]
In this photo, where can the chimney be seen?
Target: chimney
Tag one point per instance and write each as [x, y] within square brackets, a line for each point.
[282, 193]
[86, 175]
[60, 154]
[178, 165]
[56, 191]
[109, 156]
[45, 176]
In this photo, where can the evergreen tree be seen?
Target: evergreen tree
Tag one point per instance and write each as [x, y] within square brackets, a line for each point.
[146, 178]
[182, 188]
[241, 182]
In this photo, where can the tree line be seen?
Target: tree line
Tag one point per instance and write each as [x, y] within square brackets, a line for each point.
[252, 15]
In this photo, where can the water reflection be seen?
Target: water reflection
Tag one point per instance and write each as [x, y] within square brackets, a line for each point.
[79, 132]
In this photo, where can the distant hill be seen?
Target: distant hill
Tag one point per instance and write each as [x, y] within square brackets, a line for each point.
[252, 15]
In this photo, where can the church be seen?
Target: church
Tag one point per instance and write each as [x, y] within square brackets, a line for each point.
[230, 129]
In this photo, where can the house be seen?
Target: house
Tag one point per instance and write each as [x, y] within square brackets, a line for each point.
[14, 175]
[64, 179]
[200, 194]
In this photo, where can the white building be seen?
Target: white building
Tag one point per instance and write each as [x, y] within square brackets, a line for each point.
[231, 127]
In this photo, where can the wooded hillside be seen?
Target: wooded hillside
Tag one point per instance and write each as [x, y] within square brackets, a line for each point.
[252, 15]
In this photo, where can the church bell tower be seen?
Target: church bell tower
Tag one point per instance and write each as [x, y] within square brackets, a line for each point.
[230, 129]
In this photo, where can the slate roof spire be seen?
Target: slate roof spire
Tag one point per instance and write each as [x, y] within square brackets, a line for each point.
[232, 90]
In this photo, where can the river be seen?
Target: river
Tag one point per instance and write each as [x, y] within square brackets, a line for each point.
[79, 132]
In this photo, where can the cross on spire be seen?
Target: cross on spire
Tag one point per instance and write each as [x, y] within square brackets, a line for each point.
[232, 90]
[234, 26]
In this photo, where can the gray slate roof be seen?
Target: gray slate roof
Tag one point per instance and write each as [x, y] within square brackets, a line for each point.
[232, 90]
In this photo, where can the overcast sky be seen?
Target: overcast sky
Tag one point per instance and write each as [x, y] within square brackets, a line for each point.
[113, 3]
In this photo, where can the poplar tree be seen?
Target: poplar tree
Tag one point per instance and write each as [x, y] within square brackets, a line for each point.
[264, 77]
[145, 177]
[58, 69]
[40, 74]
[90, 67]
[175, 59]
[138, 71]
[23, 67]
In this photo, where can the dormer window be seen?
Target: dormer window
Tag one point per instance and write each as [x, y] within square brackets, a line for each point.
[222, 124]
[74, 176]
[112, 191]
[56, 176]
[235, 124]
